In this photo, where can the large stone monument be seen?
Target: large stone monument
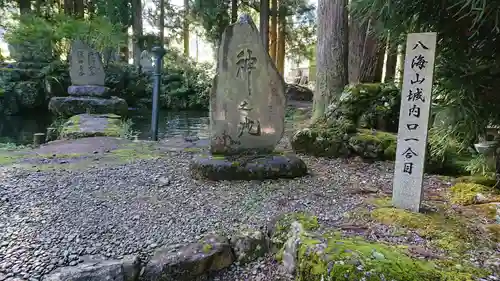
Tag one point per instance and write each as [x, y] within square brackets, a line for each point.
[87, 94]
[247, 112]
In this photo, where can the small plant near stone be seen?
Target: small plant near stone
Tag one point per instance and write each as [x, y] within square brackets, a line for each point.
[127, 131]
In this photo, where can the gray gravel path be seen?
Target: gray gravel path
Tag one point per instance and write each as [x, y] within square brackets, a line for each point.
[51, 218]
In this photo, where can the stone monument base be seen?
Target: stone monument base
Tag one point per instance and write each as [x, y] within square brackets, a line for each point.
[89, 91]
[69, 106]
[254, 167]
[92, 125]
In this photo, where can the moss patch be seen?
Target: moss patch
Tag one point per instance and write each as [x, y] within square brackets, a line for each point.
[86, 125]
[465, 193]
[353, 258]
[281, 227]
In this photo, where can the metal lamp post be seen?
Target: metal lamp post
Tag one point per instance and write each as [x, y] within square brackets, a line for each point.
[158, 52]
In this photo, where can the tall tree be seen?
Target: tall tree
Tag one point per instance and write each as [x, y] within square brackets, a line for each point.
[161, 26]
[24, 6]
[264, 22]
[392, 58]
[273, 34]
[234, 11]
[137, 29]
[332, 54]
[185, 28]
[281, 44]
[79, 8]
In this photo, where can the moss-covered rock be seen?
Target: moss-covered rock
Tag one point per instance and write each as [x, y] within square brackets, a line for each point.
[88, 125]
[279, 227]
[373, 106]
[249, 245]
[251, 167]
[339, 138]
[373, 145]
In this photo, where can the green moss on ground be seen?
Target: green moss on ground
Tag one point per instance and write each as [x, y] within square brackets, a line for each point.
[465, 193]
[353, 259]
[444, 229]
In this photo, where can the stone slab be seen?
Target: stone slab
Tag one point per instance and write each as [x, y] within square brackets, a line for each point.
[414, 121]
[247, 167]
[89, 91]
[247, 102]
[186, 262]
[98, 269]
[69, 106]
[86, 66]
[92, 125]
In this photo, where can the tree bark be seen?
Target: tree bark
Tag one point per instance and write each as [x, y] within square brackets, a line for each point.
[234, 11]
[264, 23]
[78, 9]
[273, 34]
[400, 65]
[357, 36]
[137, 29]
[185, 28]
[68, 7]
[281, 44]
[332, 54]
[162, 23]
[379, 65]
[369, 58]
[24, 7]
[392, 58]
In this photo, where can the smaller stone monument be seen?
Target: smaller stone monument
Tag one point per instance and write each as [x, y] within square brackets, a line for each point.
[416, 99]
[146, 62]
[247, 113]
[87, 94]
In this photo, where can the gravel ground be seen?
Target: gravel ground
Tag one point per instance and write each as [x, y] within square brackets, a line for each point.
[51, 218]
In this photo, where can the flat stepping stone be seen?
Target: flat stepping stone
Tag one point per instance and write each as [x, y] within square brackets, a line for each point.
[258, 167]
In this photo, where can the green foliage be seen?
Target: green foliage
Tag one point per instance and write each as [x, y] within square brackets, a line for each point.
[213, 16]
[480, 165]
[467, 70]
[44, 40]
[185, 84]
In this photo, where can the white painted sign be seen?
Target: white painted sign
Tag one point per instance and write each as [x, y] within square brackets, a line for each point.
[414, 120]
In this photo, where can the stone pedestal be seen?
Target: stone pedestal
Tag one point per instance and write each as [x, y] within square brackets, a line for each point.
[87, 99]
[256, 167]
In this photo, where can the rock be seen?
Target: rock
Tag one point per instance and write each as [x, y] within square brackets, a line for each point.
[69, 106]
[247, 168]
[29, 94]
[299, 93]
[91, 125]
[89, 90]
[186, 262]
[247, 102]
[480, 199]
[126, 269]
[249, 245]
[291, 247]
[85, 65]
